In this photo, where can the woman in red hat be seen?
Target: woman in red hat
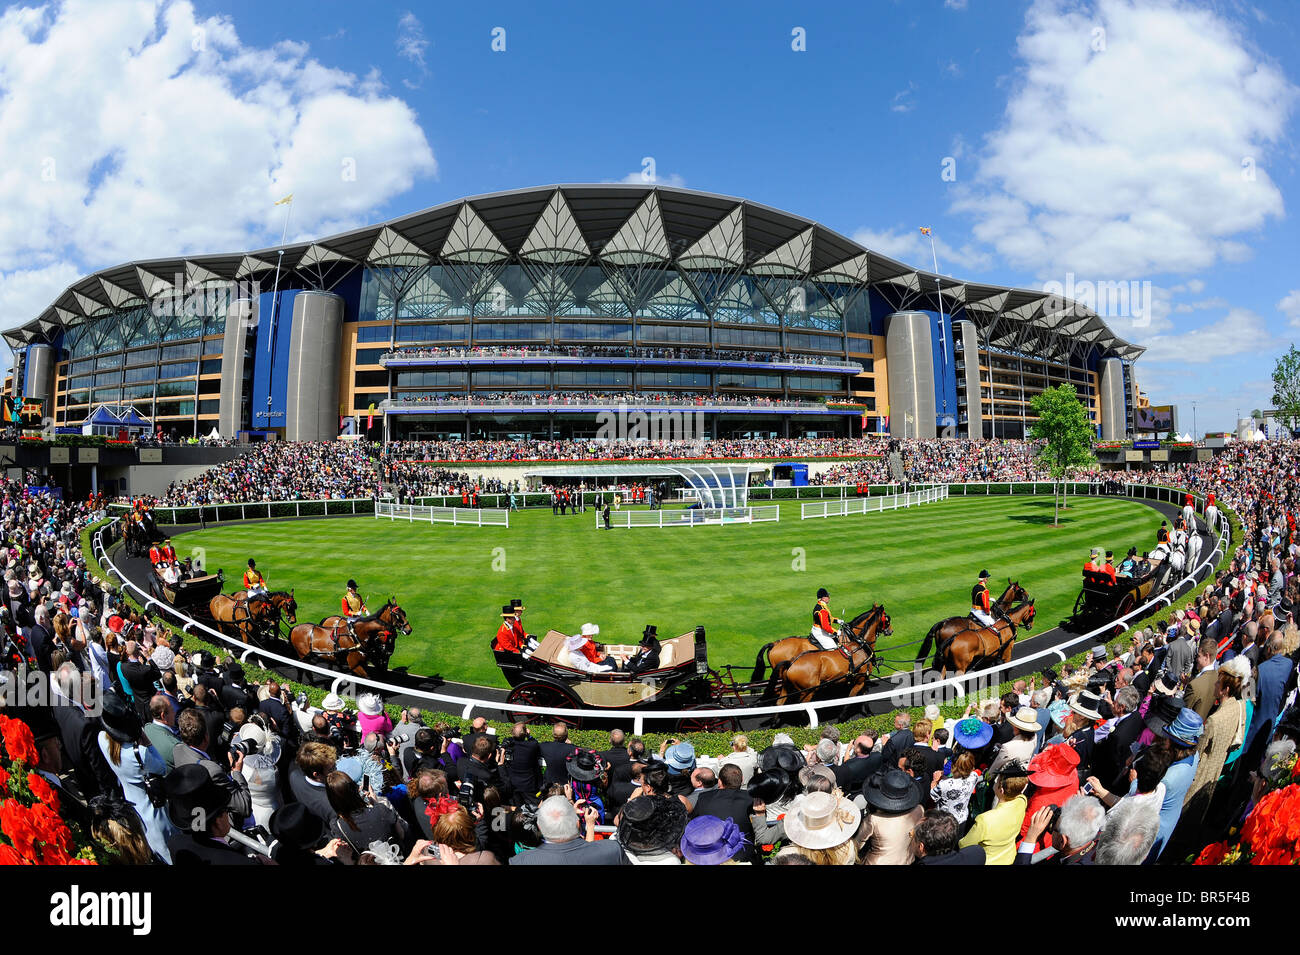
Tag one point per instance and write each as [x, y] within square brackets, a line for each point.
[1054, 778]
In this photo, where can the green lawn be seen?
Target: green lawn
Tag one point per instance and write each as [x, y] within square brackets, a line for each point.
[746, 584]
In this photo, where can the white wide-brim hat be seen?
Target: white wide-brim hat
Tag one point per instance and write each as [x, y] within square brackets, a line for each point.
[590, 630]
[821, 820]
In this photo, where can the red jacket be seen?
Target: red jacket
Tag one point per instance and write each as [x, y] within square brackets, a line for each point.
[506, 639]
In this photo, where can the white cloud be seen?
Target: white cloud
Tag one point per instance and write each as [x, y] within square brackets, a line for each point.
[1127, 161]
[150, 147]
[1240, 332]
[910, 247]
[903, 100]
[411, 41]
[1290, 307]
[955, 4]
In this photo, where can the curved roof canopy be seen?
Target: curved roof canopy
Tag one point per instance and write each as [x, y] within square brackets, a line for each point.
[633, 226]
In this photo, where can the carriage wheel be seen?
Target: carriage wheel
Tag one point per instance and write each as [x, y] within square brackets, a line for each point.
[536, 693]
[707, 724]
[1126, 605]
[1079, 603]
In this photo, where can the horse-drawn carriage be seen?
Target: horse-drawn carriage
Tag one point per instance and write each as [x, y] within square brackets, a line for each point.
[1103, 599]
[139, 535]
[683, 680]
[189, 595]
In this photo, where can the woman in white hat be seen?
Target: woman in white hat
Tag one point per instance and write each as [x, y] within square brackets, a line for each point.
[1022, 746]
[261, 750]
[823, 827]
[583, 654]
[371, 716]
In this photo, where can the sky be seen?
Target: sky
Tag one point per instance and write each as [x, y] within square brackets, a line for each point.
[1096, 144]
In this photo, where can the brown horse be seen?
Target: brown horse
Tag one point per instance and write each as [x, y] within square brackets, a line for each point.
[785, 650]
[978, 644]
[852, 664]
[945, 630]
[282, 600]
[372, 637]
[244, 617]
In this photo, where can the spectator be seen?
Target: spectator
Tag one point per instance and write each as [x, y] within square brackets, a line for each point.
[557, 822]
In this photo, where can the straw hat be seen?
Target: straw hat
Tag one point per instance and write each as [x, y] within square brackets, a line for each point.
[332, 701]
[1025, 719]
[822, 820]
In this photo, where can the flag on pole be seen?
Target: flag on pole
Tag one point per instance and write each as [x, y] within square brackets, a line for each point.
[925, 229]
[370, 421]
[288, 198]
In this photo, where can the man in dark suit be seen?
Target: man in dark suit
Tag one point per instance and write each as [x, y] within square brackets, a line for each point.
[729, 801]
[556, 753]
[899, 741]
[557, 821]
[481, 764]
[523, 766]
[1111, 755]
[307, 779]
[79, 733]
[866, 761]
[200, 809]
[234, 693]
[620, 763]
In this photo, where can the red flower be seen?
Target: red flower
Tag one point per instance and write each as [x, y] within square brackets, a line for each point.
[43, 791]
[4, 779]
[8, 856]
[19, 742]
[1213, 854]
[16, 823]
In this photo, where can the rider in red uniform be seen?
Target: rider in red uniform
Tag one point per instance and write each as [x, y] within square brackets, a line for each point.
[168, 551]
[825, 627]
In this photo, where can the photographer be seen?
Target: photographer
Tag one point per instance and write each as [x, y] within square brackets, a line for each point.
[523, 765]
[193, 749]
[139, 677]
[1073, 829]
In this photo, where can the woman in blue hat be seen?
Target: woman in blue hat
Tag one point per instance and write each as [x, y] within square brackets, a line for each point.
[1180, 739]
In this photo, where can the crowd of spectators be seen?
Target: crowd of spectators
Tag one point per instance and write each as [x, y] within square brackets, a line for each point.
[1145, 757]
[284, 471]
[602, 398]
[643, 352]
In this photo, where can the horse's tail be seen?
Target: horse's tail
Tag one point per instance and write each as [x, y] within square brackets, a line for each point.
[778, 674]
[760, 662]
[929, 638]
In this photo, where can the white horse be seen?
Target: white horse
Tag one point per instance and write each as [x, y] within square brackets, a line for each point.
[1212, 519]
[1193, 551]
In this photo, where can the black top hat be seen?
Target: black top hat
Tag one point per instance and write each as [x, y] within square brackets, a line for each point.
[120, 719]
[297, 828]
[984, 574]
[1110, 554]
[891, 791]
[517, 604]
[194, 798]
[651, 823]
[770, 786]
[1132, 552]
[1162, 711]
[584, 766]
[822, 592]
[782, 757]
[507, 610]
[650, 631]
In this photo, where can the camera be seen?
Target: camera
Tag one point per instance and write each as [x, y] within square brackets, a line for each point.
[244, 747]
[400, 738]
[470, 793]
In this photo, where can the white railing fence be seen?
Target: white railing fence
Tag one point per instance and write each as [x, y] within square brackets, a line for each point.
[475, 516]
[689, 517]
[865, 505]
[256, 510]
[959, 685]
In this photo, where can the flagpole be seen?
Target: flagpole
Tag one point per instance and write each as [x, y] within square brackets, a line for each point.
[943, 336]
[275, 308]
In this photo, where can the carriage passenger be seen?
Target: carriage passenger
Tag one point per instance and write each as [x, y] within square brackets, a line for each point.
[583, 654]
[1128, 566]
[647, 658]
[1108, 568]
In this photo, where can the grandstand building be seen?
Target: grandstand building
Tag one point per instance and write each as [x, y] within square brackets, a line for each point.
[532, 312]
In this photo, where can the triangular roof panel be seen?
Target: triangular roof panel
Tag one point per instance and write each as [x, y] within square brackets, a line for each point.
[641, 238]
[555, 236]
[470, 239]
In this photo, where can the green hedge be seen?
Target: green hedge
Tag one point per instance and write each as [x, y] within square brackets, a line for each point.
[705, 743]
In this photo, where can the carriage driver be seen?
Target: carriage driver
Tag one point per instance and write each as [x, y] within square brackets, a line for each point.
[981, 604]
[824, 626]
[254, 582]
[506, 638]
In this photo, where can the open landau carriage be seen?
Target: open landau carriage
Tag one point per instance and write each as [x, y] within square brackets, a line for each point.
[1102, 600]
[684, 679]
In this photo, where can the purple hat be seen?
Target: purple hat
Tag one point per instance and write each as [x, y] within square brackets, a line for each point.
[709, 840]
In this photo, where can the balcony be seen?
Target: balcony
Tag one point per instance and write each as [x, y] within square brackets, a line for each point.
[549, 402]
[559, 356]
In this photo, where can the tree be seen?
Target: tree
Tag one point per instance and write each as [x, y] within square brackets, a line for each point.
[1286, 387]
[1066, 433]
